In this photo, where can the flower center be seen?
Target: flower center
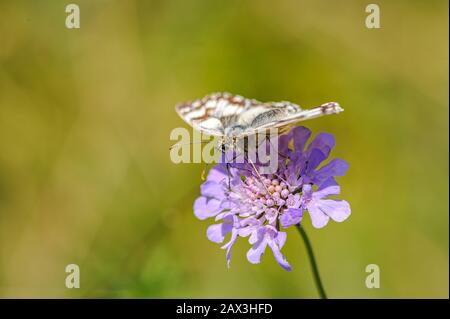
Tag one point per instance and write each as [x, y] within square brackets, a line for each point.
[273, 194]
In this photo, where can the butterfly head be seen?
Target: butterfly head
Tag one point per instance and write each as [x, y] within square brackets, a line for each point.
[225, 144]
[231, 134]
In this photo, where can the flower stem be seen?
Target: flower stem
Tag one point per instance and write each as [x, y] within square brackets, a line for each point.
[312, 259]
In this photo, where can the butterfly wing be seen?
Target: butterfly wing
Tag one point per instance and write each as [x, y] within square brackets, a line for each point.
[199, 117]
[284, 120]
[215, 112]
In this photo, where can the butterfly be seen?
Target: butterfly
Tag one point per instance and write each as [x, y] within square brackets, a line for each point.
[232, 117]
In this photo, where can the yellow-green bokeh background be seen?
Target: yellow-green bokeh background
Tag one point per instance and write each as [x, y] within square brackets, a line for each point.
[85, 117]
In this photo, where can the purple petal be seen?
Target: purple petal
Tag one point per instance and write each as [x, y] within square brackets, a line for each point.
[278, 256]
[217, 174]
[250, 227]
[255, 253]
[338, 210]
[212, 189]
[205, 208]
[337, 167]
[227, 215]
[253, 239]
[217, 232]
[301, 135]
[280, 239]
[291, 216]
[315, 157]
[229, 245]
[327, 183]
[225, 204]
[283, 144]
[318, 218]
[250, 221]
[271, 215]
[328, 191]
[324, 142]
[295, 173]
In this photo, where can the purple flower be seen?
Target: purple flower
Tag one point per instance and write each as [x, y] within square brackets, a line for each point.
[256, 206]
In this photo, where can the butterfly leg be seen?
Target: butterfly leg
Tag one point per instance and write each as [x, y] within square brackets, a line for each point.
[229, 177]
[228, 170]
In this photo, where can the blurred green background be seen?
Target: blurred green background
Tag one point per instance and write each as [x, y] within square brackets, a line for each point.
[85, 117]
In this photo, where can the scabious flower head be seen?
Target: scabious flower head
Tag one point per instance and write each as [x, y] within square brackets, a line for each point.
[259, 206]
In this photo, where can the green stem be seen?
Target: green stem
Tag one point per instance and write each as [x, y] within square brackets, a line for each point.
[314, 267]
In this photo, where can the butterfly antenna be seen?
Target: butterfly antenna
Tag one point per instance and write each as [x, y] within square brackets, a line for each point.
[190, 143]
